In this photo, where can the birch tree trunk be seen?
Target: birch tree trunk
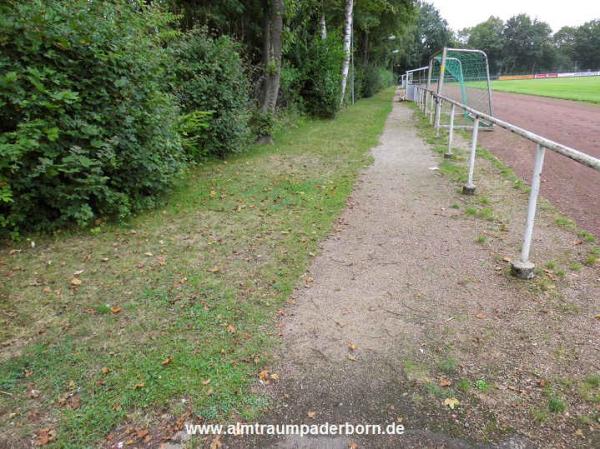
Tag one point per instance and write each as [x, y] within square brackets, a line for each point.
[323, 25]
[347, 49]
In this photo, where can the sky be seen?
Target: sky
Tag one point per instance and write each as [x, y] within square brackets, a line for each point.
[467, 13]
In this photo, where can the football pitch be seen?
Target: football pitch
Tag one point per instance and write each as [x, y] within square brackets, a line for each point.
[579, 89]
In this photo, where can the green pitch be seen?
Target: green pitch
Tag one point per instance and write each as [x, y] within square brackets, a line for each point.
[580, 89]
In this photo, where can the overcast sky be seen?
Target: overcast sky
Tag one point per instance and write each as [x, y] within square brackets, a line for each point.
[467, 13]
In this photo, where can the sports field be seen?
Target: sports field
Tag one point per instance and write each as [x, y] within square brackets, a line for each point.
[580, 89]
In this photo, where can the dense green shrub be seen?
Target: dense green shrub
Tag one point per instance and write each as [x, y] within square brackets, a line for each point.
[209, 76]
[373, 79]
[86, 127]
[323, 76]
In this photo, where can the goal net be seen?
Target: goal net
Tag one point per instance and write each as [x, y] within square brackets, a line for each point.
[465, 79]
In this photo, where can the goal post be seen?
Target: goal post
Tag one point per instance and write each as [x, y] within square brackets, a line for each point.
[463, 75]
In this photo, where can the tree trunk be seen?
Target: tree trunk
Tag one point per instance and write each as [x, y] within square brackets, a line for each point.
[347, 49]
[323, 24]
[273, 57]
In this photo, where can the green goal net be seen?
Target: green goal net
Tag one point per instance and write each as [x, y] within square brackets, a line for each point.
[465, 79]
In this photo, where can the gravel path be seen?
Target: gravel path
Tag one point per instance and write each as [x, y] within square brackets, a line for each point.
[399, 287]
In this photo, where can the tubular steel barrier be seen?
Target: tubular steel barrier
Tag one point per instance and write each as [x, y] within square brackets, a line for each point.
[425, 99]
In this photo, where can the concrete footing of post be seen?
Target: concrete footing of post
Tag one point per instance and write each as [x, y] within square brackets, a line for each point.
[468, 190]
[522, 270]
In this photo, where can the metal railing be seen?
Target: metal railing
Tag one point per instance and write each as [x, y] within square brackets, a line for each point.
[522, 268]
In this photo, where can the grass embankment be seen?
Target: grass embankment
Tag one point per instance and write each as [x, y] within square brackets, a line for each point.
[175, 311]
[579, 89]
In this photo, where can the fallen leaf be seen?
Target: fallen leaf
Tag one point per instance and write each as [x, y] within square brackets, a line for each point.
[214, 269]
[44, 436]
[444, 382]
[27, 373]
[105, 370]
[33, 394]
[76, 282]
[148, 254]
[264, 376]
[166, 361]
[352, 357]
[115, 309]
[206, 382]
[451, 402]
[141, 433]
[216, 443]
[352, 346]
[231, 329]
[275, 376]
[312, 414]
[139, 386]
[78, 272]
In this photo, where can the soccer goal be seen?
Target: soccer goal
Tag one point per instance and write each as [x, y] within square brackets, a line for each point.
[464, 76]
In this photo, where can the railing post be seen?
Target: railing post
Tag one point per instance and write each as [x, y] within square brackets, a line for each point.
[469, 188]
[448, 153]
[523, 268]
[440, 86]
[438, 112]
[431, 108]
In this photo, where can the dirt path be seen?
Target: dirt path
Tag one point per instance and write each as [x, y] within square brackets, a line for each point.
[573, 188]
[402, 306]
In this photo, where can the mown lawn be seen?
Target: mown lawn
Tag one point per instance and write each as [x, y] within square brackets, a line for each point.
[173, 312]
[579, 89]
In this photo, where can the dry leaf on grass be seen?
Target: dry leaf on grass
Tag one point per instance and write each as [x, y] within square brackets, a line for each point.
[444, 382]
[76, 282]
[115, 309]
[451, 402]
[44, 436]
[167, 361]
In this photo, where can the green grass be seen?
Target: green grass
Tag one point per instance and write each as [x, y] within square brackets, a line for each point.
[178, 296]
[579, 89]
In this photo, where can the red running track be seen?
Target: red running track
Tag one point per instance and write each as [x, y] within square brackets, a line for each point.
[573, 188]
